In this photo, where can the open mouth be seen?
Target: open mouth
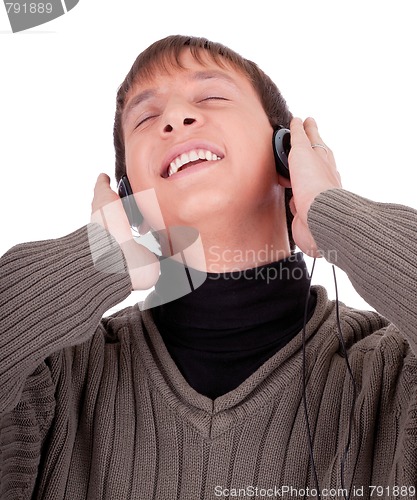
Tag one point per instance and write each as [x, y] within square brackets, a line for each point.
[189, 159]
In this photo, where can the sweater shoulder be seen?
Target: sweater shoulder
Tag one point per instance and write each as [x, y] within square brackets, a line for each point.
[120, 324]
[379, 344]
[366, 330]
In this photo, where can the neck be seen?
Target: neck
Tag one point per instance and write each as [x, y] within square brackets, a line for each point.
[229, 246]
[239, 251]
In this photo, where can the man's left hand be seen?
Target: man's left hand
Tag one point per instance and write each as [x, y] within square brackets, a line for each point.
[312, 170]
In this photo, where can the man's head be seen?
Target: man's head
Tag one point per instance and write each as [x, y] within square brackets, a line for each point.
[168, 57]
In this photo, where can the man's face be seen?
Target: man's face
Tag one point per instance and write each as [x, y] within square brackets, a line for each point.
[200, 138]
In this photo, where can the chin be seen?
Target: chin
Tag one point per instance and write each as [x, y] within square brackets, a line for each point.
[199, 208]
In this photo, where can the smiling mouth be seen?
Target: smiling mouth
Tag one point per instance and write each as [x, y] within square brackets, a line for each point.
[190, 158]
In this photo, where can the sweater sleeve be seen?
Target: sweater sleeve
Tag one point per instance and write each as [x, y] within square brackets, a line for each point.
[52, 295]
[376, 245]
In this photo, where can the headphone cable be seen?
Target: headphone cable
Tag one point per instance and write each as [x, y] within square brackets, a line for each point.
[310, 440]
[352, 408]
[345, 355]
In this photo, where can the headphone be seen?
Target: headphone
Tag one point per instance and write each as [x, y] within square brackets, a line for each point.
[133, 213]
[281, 144]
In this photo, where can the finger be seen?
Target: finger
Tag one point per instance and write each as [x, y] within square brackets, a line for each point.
[312, 131]
[284, 182]
[298, 134]
[103, 180]
[103, 189]
[292, 207]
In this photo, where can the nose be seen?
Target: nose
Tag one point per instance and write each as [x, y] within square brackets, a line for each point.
[186, 121]
[178, 114]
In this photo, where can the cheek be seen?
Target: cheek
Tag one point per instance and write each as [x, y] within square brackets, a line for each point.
[135, 166]
[257, 163]
[255, 148]
[143, 185]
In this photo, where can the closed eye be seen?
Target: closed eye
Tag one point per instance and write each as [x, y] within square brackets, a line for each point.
[144, 120]
[213, 98]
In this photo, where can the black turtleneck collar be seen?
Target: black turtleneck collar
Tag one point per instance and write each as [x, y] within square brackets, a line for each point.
[219, 334]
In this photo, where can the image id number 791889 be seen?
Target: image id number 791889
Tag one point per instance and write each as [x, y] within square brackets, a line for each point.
[29, 8]
[392, 491]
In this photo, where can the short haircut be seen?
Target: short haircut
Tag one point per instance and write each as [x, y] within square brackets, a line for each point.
[164, 55]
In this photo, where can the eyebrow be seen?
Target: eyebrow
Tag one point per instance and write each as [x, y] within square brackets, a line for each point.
[136, 100]
[150, 93]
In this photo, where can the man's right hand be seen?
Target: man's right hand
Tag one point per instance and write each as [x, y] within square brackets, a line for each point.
[107, 210]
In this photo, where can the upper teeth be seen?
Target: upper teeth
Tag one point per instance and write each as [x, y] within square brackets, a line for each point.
[193, 155]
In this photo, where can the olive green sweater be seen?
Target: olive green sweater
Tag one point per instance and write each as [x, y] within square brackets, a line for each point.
[94, 408]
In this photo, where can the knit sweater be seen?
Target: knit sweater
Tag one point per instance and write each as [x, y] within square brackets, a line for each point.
[95, 408]
[262, 309]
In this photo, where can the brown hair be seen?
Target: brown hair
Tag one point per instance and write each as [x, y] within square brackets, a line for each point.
[165, 54]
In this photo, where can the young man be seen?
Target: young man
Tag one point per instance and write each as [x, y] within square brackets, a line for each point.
[203, 397]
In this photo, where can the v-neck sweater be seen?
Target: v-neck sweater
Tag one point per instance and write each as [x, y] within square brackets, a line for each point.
[96, 408]
[234, 321]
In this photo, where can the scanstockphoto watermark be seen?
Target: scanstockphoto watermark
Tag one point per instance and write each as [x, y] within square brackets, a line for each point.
[280, 491]
[28, 14]
[371, 491]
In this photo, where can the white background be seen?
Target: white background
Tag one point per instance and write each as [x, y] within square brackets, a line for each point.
[351, 65]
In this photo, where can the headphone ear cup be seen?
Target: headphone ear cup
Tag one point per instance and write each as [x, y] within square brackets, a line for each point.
[281, 144]
[133, 213]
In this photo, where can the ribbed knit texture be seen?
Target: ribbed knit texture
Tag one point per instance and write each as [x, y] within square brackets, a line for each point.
[97, 409]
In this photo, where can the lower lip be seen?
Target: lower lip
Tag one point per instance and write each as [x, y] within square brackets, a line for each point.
[193, 169]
